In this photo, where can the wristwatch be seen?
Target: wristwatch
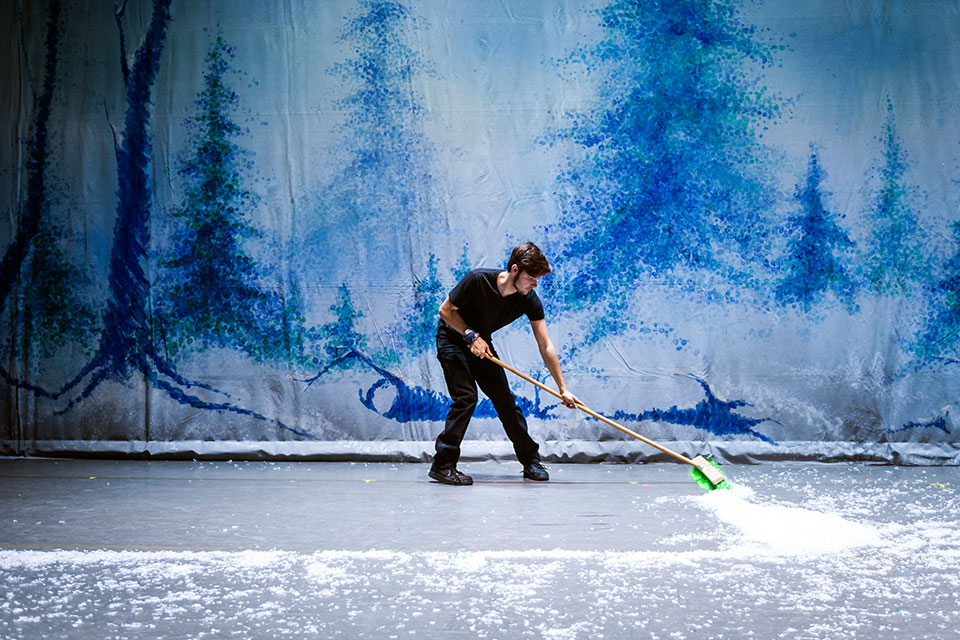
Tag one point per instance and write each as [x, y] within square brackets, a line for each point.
[470, 335]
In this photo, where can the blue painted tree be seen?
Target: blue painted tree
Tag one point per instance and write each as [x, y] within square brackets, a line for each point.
[668, 170]
[818, 251]
[35, 206]
[377, 205]
[211, 292]
[415, 331]
[125, 343]
[895, 259]
[420, 324]
[52, 313]
[340, 335]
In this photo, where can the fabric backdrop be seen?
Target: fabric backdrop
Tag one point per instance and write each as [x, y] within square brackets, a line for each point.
[229, 225]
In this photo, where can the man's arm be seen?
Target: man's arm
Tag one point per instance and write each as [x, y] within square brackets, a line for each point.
[452, 317]
[549, 355]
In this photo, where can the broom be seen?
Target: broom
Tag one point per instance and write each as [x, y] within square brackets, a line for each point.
[705, 472]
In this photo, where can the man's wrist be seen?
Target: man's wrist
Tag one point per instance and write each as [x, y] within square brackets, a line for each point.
[470, 335]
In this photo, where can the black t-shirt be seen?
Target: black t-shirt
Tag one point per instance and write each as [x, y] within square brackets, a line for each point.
[480, 304]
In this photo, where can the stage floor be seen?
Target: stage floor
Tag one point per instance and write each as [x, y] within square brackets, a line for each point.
[124, 549]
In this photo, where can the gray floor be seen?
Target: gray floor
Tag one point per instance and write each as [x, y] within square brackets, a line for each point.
[92, 549]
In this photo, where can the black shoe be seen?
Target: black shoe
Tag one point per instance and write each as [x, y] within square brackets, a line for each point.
[535, 471]
[450, 476]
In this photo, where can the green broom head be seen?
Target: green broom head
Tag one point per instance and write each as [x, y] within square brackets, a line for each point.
[701, 479]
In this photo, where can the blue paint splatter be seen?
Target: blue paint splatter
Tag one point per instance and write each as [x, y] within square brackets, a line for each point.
[463, 265]
[710, 414]
[940, 422]
[938, 338]
[417, 403]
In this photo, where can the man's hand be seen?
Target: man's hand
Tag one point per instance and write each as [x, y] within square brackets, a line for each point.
[570, 400]
[480, 348]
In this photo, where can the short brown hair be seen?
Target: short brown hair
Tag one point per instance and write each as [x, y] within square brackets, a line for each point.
[530, 259]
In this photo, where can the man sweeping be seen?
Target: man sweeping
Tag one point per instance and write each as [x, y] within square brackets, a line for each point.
[482, 302]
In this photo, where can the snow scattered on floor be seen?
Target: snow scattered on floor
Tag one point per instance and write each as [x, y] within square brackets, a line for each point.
[779, 573]
[804, 561]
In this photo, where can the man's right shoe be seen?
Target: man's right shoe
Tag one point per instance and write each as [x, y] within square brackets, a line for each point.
[450, 476]
[535, 471]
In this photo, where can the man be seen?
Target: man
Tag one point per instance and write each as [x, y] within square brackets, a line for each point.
[484, 301]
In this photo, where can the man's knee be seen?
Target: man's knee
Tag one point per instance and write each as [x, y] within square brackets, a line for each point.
[465, 403]
[504, 402]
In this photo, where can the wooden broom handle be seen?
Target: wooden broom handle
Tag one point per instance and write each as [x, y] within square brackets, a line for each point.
[594, 414]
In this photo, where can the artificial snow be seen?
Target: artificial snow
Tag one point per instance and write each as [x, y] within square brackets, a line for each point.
[810, 552]
[786, 530]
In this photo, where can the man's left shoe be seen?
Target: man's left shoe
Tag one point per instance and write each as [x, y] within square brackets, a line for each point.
[535, 471]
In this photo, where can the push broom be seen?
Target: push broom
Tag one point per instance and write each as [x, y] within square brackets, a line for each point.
[705, 471]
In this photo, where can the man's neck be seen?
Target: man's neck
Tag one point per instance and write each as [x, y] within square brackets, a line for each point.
[505, 284]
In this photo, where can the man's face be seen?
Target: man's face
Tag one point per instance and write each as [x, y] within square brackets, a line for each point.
[525, 282]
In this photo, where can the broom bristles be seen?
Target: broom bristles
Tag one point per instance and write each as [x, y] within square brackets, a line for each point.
[702, 480]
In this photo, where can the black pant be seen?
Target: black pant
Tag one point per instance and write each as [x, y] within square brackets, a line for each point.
[463, 371]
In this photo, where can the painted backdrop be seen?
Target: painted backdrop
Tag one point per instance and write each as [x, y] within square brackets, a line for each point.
[228, 226]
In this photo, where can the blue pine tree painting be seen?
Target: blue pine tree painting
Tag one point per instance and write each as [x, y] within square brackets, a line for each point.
[212, 292]
[668, 172]
[52, 312]
[895, 261]
[341, 335]
[376, 209]
[419, 326]
[414, 332]
[818, 251]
